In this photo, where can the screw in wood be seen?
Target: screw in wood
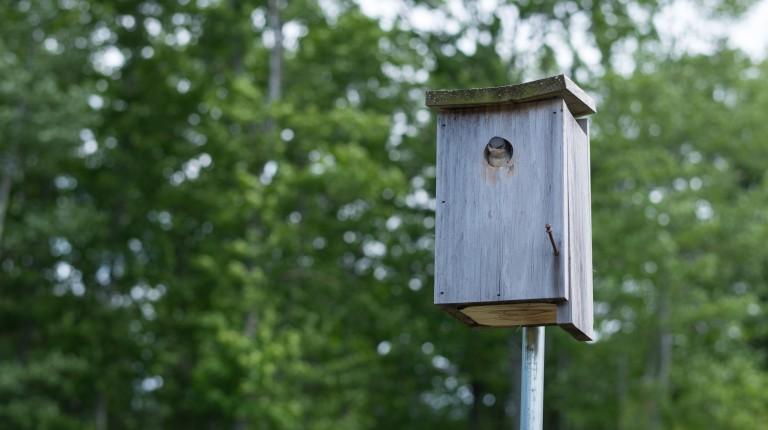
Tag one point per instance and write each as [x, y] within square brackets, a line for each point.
[552, 239]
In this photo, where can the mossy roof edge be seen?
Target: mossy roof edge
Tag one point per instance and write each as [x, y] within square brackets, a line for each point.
[577, 100]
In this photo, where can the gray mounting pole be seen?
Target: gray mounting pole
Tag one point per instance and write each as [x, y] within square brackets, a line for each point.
[532, 379]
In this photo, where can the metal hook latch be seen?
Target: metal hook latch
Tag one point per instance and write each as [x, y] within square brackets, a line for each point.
[552, 240]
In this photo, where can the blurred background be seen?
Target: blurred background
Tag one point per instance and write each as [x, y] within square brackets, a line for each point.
[219, 214]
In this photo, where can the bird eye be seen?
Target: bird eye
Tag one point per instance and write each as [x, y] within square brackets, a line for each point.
[498, 151]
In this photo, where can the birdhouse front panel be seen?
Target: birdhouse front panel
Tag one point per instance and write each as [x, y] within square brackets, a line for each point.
[513, 231]
[500, 182]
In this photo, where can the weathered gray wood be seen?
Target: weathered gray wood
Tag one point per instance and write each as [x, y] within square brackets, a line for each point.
[578, 102]
[575, 315]
[511, 160]
[491, 243]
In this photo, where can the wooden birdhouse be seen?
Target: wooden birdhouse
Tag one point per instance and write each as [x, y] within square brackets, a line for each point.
[513, 233]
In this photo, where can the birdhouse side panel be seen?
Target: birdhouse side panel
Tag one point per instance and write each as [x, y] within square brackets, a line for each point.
[576, 315]
[491, 244]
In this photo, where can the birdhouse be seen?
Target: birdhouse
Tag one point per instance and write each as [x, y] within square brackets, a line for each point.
[513, 230]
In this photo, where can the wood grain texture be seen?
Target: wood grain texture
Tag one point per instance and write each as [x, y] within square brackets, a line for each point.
[491, 243]
[575, 315]
[494, 264]
[578, 101]
[512, 314]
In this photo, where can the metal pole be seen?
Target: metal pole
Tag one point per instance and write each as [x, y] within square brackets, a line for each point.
[532, 379]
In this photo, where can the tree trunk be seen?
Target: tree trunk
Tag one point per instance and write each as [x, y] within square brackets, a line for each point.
[276, 55]
[5, 197]
[274, 93]
[515, 365]
[660, 362]
[101, 417]
[563, 363]
[664, 359]
[621, 390]
[474, 412]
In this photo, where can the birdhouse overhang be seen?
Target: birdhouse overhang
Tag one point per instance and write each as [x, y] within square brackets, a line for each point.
[578, 101]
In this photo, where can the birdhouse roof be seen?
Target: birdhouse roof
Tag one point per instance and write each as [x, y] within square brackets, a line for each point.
[578, 102]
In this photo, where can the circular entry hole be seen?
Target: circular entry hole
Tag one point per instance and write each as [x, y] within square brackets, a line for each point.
[498, 151]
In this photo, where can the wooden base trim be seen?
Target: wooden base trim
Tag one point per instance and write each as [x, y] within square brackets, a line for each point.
[515, 314]
[512, 314]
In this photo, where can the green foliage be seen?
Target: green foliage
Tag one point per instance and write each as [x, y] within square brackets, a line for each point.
[179, 251]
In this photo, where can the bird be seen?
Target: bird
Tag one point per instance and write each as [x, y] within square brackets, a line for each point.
[498, 151]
